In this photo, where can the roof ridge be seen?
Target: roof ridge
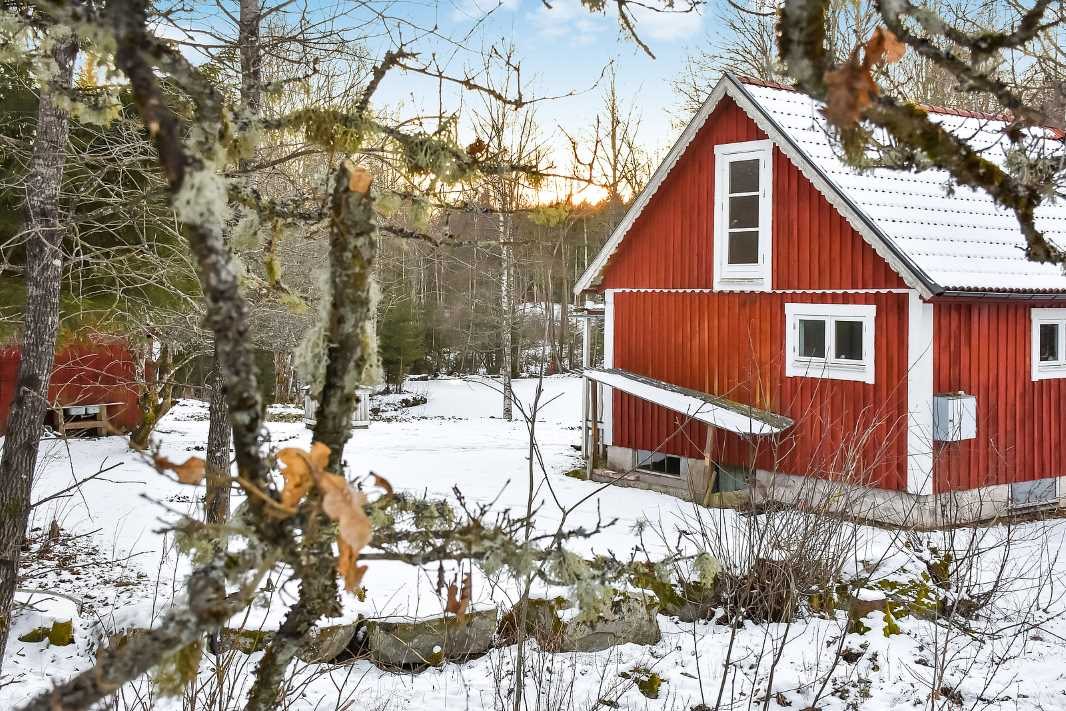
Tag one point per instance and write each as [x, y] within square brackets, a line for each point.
[930, 108]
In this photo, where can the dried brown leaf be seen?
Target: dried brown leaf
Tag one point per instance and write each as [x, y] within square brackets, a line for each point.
[347, 567]
[476, 148]
[884, 47]
[458, 604]
[344, 504]
[297, 472]
[191, 471]
[850, 88]
[382, 483]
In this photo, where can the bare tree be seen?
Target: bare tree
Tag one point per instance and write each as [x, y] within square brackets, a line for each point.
[44, 265]
[507, 133]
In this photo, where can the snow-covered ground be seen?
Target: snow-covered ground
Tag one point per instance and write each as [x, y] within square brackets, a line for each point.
[113, 557]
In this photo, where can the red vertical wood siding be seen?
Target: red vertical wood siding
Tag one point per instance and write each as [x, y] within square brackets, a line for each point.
[671, 243]
[83, 373]
[733, 344]
[985, 349]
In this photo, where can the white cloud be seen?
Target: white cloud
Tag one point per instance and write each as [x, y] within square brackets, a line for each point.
[568, 19]
[668, 24]
[465, 10]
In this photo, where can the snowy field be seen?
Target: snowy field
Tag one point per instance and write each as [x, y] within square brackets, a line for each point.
[117, 567]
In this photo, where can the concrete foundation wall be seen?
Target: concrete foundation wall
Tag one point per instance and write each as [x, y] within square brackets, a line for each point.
[892, 508]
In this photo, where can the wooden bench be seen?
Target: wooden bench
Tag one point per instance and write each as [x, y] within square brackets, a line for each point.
[83, 416]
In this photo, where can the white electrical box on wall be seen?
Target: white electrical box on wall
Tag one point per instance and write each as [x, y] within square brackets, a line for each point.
[954, 417]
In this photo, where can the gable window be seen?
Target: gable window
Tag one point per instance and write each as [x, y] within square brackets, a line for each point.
[830, 341]
[742, 215]
[1049, 343]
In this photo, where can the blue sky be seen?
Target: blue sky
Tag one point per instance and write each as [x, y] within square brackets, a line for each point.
[564, 49]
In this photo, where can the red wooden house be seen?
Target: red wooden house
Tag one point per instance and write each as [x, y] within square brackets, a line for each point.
[778, 321]
[86, 374]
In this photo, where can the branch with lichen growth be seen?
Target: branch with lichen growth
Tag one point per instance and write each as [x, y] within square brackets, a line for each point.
[352, 249]
[802, 44]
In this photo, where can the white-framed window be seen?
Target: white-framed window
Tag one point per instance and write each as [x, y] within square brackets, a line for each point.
[830, 341]
[1049, 343]
[659, 463]
[742, 215]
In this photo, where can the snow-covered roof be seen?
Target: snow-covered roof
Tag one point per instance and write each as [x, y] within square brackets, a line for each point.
[710, 409]
[938, 238]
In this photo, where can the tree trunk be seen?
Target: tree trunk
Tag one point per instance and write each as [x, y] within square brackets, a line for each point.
[40, 324]
[282, 378]
[218, 434]
[565, 360]
[216, 504]
[156, 396]
[506, 310]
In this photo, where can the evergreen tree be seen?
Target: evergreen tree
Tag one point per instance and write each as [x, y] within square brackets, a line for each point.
[401, 342]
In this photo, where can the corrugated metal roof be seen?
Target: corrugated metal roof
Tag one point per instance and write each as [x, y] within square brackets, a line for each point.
[710, 409]
[957, 236]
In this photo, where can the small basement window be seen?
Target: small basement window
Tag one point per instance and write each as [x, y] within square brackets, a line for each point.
[742, 215]
[1033, 494]
[659, 463]
[830, 341]
[1049, 343]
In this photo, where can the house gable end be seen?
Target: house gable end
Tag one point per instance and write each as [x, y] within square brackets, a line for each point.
[666, 239]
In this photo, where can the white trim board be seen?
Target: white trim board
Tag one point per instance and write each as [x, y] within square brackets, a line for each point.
[919, 395]
[607, 406]
[657, 290]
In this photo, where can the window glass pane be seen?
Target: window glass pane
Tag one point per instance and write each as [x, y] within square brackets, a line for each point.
[661, 463]
[743, 247]
[811, 338]
[848, 340]
[1049, 342]
[743, 212]
[744, 176]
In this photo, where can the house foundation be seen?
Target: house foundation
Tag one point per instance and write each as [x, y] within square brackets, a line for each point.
[896, 509]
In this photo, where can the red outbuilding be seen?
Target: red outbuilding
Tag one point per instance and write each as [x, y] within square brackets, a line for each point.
[88, 374]
[873, 342]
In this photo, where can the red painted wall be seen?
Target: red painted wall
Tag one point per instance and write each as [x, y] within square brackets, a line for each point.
[985, 349]
[670, 245]
[83, 373]
[733, 344]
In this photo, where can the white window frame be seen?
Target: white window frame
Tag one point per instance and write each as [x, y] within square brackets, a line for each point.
[830, 367]
[732, 277]
[1047, 370]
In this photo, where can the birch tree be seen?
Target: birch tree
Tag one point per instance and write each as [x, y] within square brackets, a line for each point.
[508, 133]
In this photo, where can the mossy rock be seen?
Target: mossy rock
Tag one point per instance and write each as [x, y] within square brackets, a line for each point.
[632, 619]
[322, 644]
[430, 641]
[246, 641]
[542, 622]
[60, 634]
[689, 601]
[326, 644]
[647, 682]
